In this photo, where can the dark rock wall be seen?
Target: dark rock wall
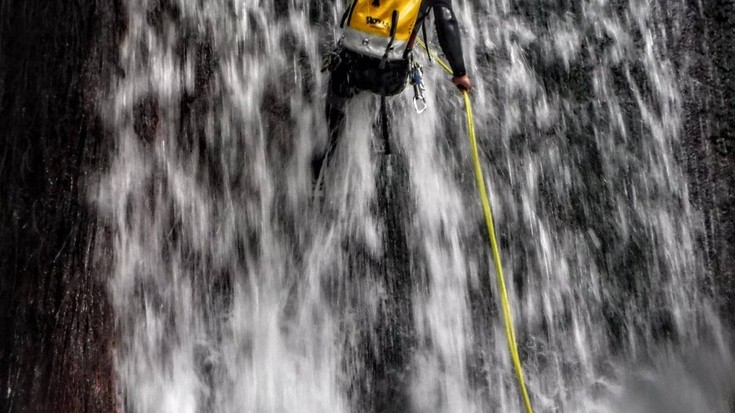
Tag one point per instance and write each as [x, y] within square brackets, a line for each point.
[720, 16]
[55, 326]
[705, 52]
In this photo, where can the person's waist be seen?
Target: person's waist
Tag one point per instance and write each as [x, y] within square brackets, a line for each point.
[357, 58]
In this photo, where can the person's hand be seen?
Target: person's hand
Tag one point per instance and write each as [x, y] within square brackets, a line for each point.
[463, 83]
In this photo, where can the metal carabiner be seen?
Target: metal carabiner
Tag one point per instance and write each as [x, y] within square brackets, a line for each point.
[419, 109]
[419, 100]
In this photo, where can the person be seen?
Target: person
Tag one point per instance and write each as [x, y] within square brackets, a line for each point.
[366, 62]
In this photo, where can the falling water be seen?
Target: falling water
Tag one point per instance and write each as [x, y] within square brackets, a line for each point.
[234, 291]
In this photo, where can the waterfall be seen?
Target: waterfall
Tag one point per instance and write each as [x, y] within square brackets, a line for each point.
[234, 291]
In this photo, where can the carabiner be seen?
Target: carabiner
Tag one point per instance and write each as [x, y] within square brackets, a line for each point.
[419, 109]
[419, 101]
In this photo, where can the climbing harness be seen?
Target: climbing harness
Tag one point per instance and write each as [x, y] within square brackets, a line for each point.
[487, 212]
[416, 79]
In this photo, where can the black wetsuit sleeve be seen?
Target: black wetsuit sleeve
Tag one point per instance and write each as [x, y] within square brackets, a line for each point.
[447, 28]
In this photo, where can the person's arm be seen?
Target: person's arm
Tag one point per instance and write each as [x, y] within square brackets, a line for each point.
[450, 41]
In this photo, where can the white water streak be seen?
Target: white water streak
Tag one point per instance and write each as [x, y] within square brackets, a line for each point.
[232, 293]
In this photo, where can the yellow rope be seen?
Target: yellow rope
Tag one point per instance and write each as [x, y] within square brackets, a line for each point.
[487, 211]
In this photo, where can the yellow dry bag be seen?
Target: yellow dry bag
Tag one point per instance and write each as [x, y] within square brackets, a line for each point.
[381, 28]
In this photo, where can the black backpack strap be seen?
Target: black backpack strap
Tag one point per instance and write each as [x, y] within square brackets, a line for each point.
[348, 14]
[426, 37]
[394, 23]
[424, 13]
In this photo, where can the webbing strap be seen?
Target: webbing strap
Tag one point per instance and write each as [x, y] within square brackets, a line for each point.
[394, 23]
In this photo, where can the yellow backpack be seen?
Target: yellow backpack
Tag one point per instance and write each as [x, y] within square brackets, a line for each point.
[381, 28]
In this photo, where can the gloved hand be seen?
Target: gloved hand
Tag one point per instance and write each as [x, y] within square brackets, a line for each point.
[463, 83]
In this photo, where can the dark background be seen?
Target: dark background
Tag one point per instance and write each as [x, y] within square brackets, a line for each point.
[56, 61]
[55, 322]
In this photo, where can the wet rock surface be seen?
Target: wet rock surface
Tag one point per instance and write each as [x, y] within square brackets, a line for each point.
[705, 53]
[55, 326]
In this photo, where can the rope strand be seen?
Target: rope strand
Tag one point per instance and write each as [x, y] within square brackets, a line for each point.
[489, 221]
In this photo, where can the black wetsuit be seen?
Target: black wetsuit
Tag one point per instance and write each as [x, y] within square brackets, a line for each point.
[352, 73]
